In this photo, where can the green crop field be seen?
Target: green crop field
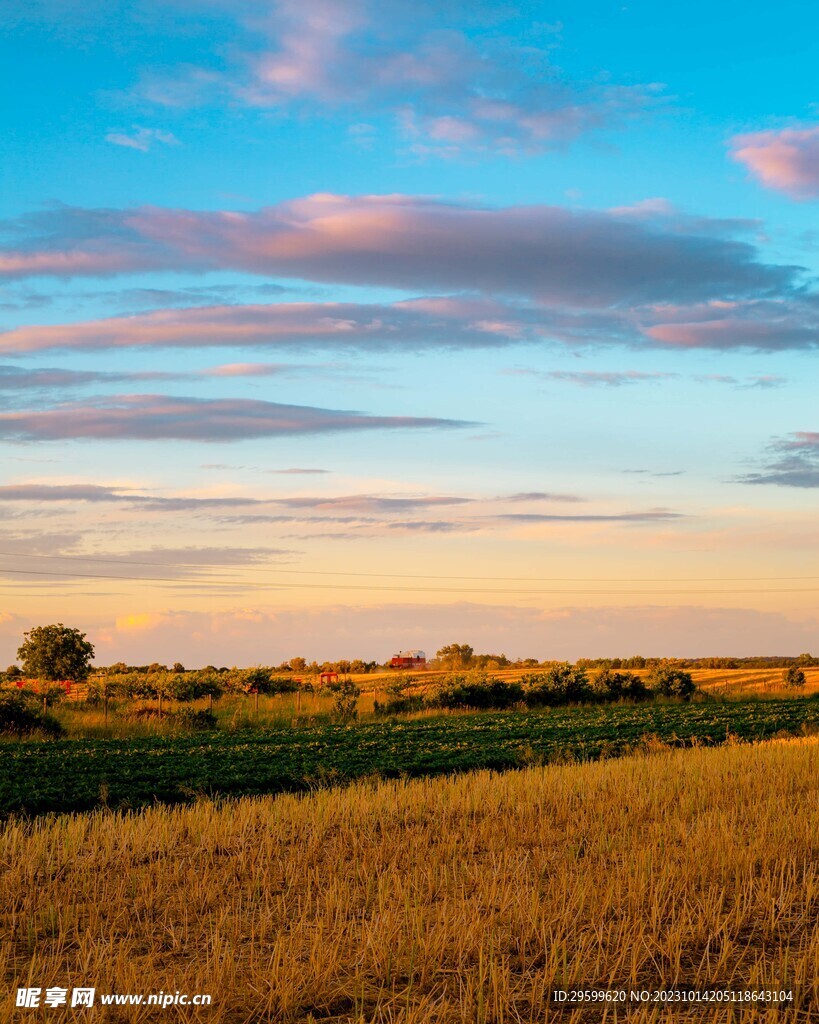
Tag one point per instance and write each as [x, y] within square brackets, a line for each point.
[69, 775]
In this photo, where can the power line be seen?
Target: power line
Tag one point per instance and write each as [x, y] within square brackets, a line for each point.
[413, 576]
[283, 585]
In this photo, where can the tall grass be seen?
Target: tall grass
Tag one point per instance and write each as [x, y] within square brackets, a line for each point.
[457, 900]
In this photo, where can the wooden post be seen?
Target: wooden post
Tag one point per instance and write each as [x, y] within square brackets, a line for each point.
[105, 702]
[298, 701]
[256, 701]
[210, 703]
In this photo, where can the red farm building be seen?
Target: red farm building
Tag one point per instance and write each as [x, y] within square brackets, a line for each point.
[409, 659]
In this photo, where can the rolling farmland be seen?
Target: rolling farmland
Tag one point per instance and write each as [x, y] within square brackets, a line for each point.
[70, 775]
[465, 900]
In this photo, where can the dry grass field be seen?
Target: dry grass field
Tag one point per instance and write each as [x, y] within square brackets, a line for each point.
[451, 900]
[731, 681]
[747, 682]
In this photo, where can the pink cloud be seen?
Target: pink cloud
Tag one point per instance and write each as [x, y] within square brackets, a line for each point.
[64, 264]
[246, 370]
[160, 417]
[515, 274]
[734, 332]
[415, 325]
[586, 258]
[339, 325]
[786, 160]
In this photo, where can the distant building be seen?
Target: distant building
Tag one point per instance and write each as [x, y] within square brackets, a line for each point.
[409, 659]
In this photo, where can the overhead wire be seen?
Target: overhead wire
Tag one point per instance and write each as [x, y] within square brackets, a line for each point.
[286, 585]
[238, 567]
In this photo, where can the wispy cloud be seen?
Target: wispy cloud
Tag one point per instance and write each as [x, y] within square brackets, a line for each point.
[19, 378]
[210, 564]
[793, 462]
[523, 496]
[142, 139]
[432, 526]
[598, 378]
[650, 516]
[159, 417]
[447, 90]
[342, 326]
[359, 503]
[58, 492]
[654, 472]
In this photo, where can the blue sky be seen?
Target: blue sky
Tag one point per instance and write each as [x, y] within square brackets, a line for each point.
[297, 291]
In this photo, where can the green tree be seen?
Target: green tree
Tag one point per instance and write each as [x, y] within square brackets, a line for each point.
[455, 656]
[795, 677]
[56, 652]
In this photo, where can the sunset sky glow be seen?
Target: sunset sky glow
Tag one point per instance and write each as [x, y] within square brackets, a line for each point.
[329, 328]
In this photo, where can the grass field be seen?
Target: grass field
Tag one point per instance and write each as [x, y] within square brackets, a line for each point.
[65, 775]
[463, 900]
[235, 712]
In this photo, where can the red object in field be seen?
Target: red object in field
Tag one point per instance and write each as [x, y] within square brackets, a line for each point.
[409, 659]
[329, 677]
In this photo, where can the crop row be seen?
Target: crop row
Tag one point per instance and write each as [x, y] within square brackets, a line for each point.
[73, 775]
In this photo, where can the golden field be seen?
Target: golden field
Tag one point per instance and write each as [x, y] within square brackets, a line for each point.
[454, 900]
[735, 682]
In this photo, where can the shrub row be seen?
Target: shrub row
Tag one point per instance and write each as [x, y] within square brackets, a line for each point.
[558, 686]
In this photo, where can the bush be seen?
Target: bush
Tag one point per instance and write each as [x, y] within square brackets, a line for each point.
[478, 694]
[345, 704]
[794, 677]
[21, 715]
[400, 705]
[399, 701]
[192, 720]
[283, 684]
[562, 684]
[259, 680]
[610, 685]
[672, 682]
[184, 718]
